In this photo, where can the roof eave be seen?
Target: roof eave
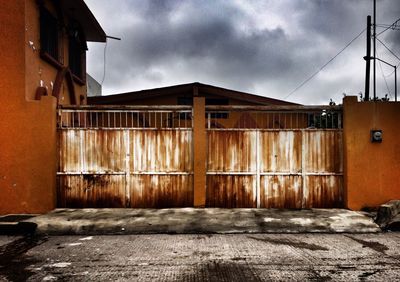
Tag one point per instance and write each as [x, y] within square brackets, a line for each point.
[205, 88]
[79, 11]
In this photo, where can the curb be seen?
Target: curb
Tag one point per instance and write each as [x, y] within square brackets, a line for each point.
[14, 224]
[201, 221]
[387, 213]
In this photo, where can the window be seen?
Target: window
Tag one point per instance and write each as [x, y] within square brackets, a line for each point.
[218, 101]
[185, 101]
[48, 35]
[76, 53]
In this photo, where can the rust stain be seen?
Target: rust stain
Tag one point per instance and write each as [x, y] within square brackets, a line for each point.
[231, 151]
[121, 167]
[324, 192]
[323, 151]
[299, 169]
[281, 192]
[281, 151]
[161, 191]
[230, 191]
[107, 166]
[89, 191]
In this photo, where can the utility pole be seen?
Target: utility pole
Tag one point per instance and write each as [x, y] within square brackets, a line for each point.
[368, 60]
[374, 34]
[395, 83]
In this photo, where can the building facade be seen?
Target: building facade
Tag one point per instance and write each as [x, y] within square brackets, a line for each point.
[43, 65]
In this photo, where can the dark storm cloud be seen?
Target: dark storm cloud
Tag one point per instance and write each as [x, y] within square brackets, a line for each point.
[212, 40]
[168, 42]
[331, 19]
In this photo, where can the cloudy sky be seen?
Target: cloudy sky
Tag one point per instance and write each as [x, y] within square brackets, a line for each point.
[265, 47]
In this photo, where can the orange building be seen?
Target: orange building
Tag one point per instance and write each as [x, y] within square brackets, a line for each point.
[43, 59]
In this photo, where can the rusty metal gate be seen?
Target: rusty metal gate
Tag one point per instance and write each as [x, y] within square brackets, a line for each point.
[125, 157]
[274, 157]
[142, 156]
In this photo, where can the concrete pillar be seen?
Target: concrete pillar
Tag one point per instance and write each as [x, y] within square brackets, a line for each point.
[199, 150]
[348, 102]
[371, 169]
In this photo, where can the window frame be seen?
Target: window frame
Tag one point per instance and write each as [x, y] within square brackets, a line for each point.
[77, 53]
[49, 29]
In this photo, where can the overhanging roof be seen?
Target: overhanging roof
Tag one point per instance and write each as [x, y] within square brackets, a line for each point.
[135, 96]
[79, 11]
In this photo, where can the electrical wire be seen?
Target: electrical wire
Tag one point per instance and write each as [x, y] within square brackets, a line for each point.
[392, 25]
[384, 45]
[390, 74]
[327, 63]
[384, 78]
[104, 62]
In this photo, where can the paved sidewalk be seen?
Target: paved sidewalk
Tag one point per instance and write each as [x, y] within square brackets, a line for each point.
[209, 220]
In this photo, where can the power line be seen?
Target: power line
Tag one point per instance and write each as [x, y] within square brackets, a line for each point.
[390, 74]
[384, 78]
[392, 28]
[394, 25]
[388, 49]
[327, 63]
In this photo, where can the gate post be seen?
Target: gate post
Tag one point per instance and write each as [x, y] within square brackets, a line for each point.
[199, 150]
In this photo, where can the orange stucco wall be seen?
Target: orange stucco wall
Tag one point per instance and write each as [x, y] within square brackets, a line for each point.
[38, 72]
[27, 128]
[372, 170]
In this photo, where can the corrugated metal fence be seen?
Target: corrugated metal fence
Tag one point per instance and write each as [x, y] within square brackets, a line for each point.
[275, 158]
[138, 156]
[125, 157]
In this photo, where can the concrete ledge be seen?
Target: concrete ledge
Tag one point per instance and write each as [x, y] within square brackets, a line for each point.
[13, 224]
[209, 220]
[387, 212]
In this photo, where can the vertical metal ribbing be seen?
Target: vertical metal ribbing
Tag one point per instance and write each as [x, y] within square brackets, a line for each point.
[127, 169]
[258, 168]
[303, 171]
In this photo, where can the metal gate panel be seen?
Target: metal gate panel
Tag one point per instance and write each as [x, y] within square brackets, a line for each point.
[266, 168]
[161, 168]
[231, 191]
[129, 157]
[161, 191]
[231, 169]
[161, 150]
[323, 151]
[281, 191]
[231, 151]
[91, 169]
[323, 191]
[91, 191]
[323, 168]
[301, 169]
[280, 151]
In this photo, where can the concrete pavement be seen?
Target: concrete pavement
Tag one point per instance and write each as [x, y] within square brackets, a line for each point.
[209, 258]
[209, 220]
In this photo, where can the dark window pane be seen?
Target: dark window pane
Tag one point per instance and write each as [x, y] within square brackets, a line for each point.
[75, 57]
[48, 33]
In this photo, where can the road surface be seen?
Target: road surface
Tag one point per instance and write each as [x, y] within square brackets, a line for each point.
[240, 257]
